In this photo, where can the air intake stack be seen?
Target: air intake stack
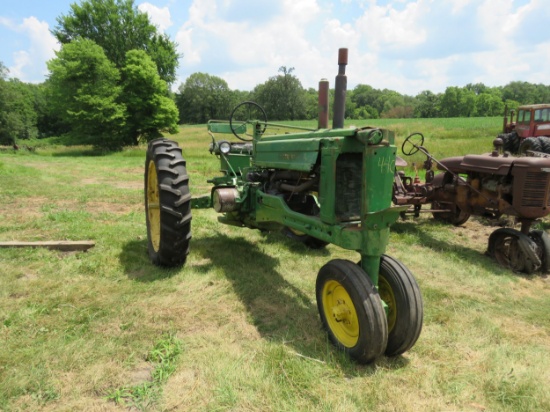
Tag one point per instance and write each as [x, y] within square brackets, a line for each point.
[323, 104]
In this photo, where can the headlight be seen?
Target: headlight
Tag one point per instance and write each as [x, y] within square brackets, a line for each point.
[225, 147]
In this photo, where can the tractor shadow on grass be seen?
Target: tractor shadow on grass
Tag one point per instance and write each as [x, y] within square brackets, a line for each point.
[280, 311]
[422, 231]
[137, 266]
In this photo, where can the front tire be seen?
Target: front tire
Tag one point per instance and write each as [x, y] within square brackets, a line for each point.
[399, 290]
[351, 310]
[167, 204]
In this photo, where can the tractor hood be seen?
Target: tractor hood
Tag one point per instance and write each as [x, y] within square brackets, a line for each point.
[300, 151]
[496, 165]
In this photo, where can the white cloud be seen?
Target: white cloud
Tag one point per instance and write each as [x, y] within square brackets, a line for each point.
[7, 23]
[159, 16]
[246, 47]
[21, 60]
[384, 26]
[29, 64]
[404, 45]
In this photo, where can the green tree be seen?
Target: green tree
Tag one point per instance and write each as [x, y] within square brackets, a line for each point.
[523, 92]
[489, 104]
[203, 97]
[365, 112]
[3, 71]
[84, 91]
[118, 27]
[18, 118]
[145, 96]
[427, 105]
[48, 121]
[364, 95]
[477, 88]
[282, 96]
[311, 101]
[457, 102]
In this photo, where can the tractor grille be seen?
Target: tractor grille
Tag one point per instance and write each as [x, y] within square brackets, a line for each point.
[535, 190]
[349, 170]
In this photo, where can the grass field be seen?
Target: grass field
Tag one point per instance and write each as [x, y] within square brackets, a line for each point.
[237, 328]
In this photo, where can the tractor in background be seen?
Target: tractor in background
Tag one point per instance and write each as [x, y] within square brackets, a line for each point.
[529, 131]
[489, 185]
[327, 185]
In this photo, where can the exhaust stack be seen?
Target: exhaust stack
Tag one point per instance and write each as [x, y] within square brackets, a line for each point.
[340, 87]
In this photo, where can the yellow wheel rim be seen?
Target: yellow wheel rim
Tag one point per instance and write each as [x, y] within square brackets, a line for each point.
[386, 294]
[296, 232]
[153, 206]
[340, 313]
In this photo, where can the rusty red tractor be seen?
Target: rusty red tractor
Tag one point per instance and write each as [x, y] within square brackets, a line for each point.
[529, 131]
[489, 185]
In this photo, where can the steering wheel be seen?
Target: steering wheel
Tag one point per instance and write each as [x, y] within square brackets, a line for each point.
[414, 147]
[244, 114]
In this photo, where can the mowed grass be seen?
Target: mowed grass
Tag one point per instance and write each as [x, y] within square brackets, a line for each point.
[237, 328]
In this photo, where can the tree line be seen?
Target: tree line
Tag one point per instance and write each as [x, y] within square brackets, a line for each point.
[109, 86]
[202, 97]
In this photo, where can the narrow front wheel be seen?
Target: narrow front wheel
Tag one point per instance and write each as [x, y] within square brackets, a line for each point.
[351, 310]
[401, 294]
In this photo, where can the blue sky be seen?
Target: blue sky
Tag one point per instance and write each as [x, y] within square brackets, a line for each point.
[404, 45]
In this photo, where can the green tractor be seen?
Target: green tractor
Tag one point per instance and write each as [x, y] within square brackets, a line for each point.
[320, 186]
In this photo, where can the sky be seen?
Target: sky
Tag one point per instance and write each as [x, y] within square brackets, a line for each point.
[404, 45]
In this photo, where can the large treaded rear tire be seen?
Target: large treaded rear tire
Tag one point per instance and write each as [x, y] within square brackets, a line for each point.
[544, 144]
[167, 203]
[510, 142]
[530, 143]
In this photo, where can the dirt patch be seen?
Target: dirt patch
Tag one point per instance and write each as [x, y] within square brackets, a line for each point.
[128, 185]
[142, 373]
[28, 276]
[474, 232]
[116, 208]
[23, 209]
[91, 181]
[135, 185]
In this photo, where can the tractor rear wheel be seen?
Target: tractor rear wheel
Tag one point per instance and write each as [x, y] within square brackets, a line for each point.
[544, 144]
[510, 142]
[530, 143]
[351, 310]
[516, 251]
[167, 203]
[405, 313]
[542, 241]
[456, 218]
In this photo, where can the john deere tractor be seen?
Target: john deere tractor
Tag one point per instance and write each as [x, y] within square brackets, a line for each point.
[328, 185]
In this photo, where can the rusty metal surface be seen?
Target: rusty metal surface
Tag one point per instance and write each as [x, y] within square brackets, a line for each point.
[489, 185]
